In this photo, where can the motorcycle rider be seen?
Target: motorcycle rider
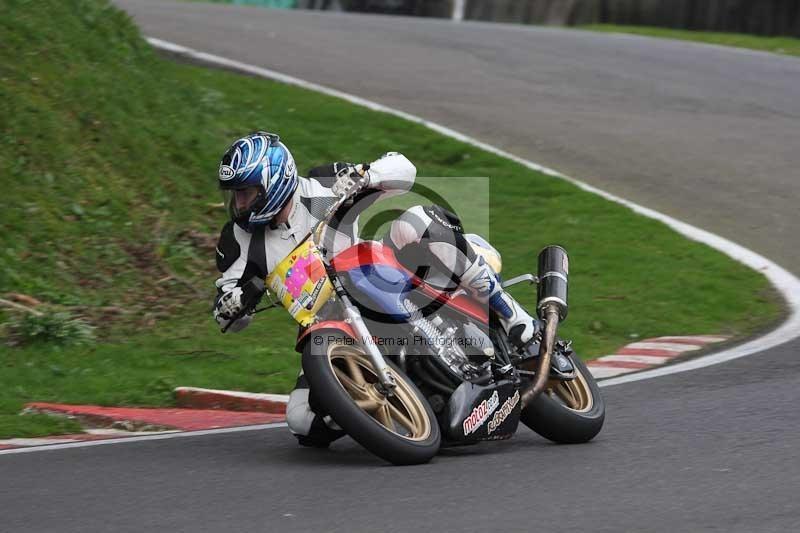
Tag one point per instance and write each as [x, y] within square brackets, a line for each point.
[272, 209]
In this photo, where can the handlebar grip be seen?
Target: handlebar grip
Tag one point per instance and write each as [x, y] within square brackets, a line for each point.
[252, 292]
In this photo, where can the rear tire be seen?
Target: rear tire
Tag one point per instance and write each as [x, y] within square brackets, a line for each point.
[568, 412]
[402, 429]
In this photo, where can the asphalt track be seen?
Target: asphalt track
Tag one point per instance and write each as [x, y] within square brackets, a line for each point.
[705, 134]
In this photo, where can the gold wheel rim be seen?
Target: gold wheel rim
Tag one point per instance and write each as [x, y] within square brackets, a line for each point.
[403, 413]
[575, 394]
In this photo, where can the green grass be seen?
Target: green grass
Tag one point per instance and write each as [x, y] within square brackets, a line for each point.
[35, 425]
[777, 45]
[108, 159]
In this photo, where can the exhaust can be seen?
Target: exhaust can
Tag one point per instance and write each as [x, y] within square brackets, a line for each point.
[553, 280]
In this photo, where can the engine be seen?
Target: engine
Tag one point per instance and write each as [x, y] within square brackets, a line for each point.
[462, 349]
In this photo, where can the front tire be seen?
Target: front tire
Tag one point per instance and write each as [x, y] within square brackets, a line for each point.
[568, 412]
[401, 429]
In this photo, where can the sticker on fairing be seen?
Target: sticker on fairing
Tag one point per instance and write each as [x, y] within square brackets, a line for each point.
[500, 416]
[481, 413]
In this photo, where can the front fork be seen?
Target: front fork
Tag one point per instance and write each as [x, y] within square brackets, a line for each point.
[352, 316]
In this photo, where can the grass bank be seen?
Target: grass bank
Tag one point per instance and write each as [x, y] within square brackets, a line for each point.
[108, 159]
[777, 45]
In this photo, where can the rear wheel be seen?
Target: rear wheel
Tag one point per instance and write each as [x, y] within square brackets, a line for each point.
[568, 412]
[401, 429]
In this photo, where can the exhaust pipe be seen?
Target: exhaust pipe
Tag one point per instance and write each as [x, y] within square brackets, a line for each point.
[552, 308]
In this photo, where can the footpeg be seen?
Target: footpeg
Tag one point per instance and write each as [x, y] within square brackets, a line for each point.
[561, 366]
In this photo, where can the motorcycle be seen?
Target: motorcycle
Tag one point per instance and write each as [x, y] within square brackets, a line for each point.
[404, 366]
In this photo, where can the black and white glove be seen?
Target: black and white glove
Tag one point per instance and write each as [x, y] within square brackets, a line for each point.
[228, 308]
[350, 179]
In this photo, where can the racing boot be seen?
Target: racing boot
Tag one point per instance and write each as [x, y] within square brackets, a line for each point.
[305, 419]
[483, 283]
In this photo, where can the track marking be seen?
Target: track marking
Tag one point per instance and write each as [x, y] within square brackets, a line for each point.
[124, 440]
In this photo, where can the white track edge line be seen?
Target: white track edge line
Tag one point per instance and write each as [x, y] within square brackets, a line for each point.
[124, 440]
[784, 281]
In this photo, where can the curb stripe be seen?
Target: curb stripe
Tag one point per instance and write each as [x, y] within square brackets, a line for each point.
[197, 398]
[698, 340]
[648, 353]
[662, 345]
[650, 360]
[694, 339]
[157, 418]
[633, 365]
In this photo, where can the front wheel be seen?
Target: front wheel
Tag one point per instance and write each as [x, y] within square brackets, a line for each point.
[568, 412]
[401, 429]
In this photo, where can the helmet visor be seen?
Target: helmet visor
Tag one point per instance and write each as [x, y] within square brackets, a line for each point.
[241, 202]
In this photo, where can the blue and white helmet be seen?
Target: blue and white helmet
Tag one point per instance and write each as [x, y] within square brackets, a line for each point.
[257, 176]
